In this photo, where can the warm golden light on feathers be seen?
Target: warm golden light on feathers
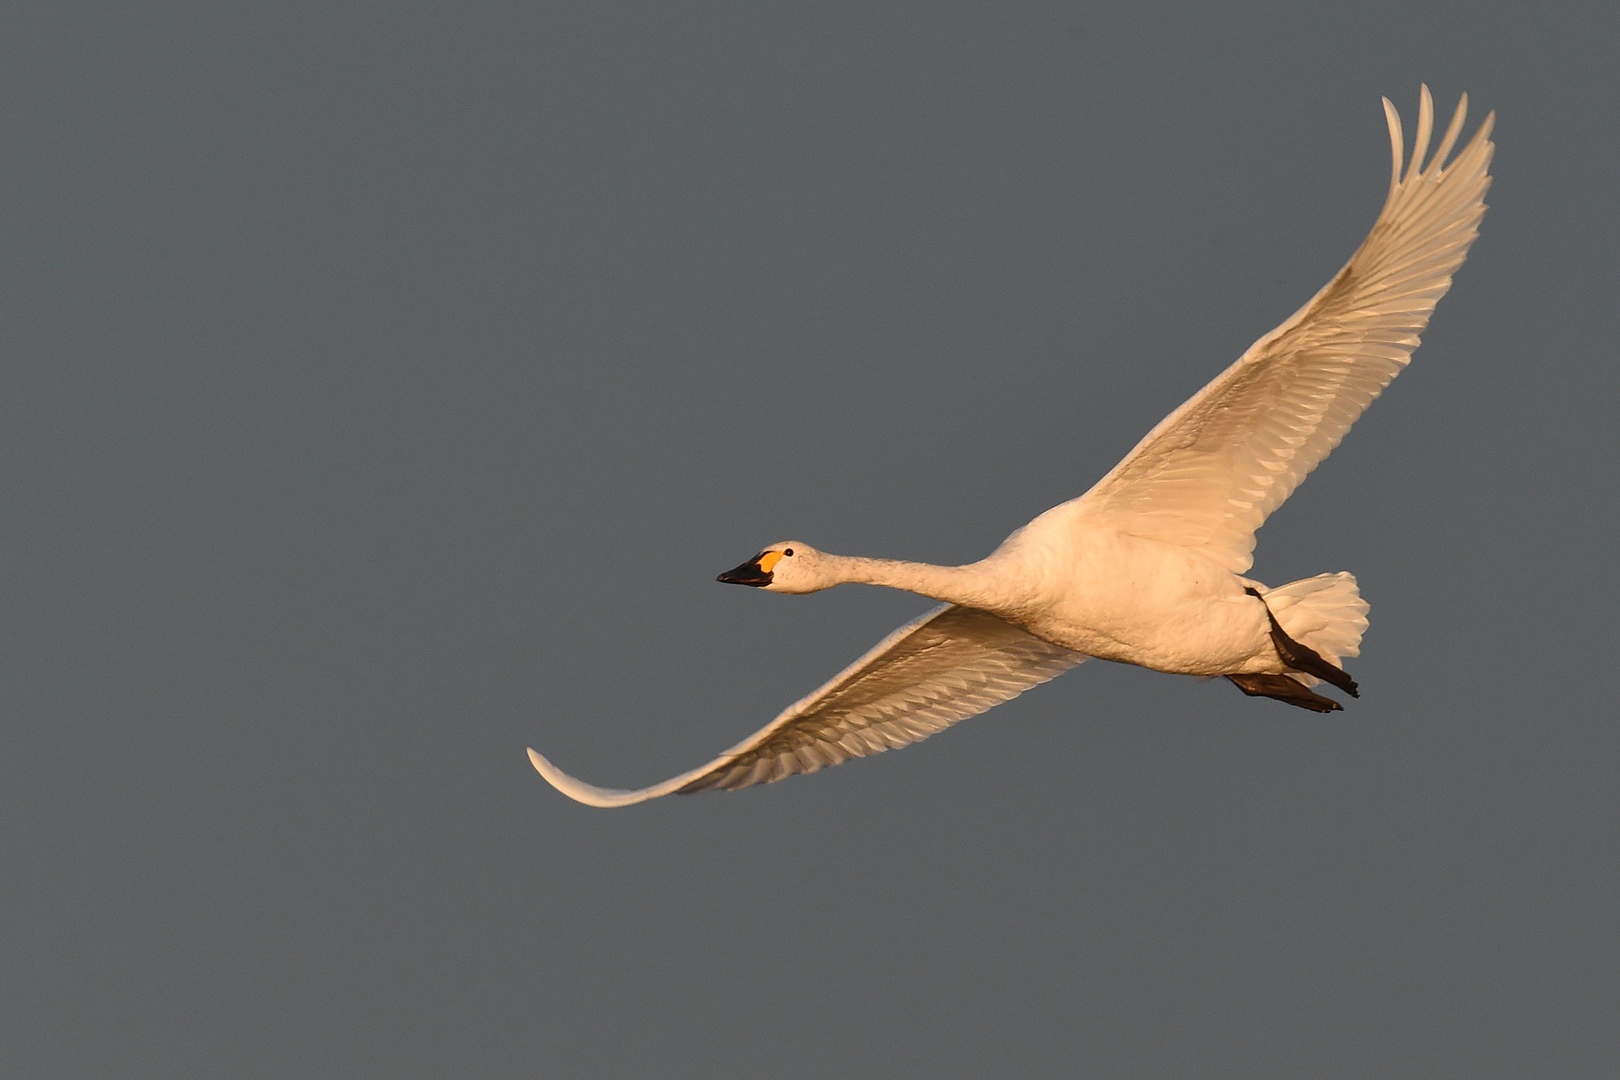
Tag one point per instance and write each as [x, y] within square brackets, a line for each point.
[1145, 568]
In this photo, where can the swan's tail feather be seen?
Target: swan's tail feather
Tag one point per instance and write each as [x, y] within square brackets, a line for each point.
[1325, 612]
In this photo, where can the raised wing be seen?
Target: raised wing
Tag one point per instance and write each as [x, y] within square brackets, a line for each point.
[1212, 472]
[948, 665]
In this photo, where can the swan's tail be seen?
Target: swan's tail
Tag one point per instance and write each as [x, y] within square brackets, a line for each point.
[1325, 612]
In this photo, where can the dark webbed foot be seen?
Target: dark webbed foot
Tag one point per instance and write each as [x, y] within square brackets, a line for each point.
[1302, 657]
[1286, 689]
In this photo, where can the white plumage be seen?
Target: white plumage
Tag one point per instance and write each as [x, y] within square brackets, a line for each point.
[1212, 471]
[1144, 568]
[950, 664]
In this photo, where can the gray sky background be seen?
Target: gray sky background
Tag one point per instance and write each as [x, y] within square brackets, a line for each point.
[384, 386]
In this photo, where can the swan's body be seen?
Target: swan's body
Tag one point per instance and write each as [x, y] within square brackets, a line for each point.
[1145, 568]
[1089, 588]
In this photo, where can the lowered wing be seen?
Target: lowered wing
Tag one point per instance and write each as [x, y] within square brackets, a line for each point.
[948, 665]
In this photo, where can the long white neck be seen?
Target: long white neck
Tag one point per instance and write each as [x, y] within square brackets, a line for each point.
[973, 585]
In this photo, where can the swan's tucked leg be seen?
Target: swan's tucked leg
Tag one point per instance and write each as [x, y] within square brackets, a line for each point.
[1283, 688]
[1302, 657]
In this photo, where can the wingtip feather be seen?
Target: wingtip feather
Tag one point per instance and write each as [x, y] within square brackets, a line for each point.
[1397, 145]
[1425, 128]
[579, 790]
[1452, 131]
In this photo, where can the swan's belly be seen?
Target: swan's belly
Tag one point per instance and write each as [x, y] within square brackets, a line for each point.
[1163, 607]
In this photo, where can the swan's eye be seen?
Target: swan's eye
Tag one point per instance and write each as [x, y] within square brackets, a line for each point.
[788, 551]
[769, 559]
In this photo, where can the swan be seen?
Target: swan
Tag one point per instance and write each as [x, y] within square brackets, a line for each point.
[1147, 567]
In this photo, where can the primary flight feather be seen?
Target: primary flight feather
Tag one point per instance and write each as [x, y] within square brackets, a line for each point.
[1145, 567]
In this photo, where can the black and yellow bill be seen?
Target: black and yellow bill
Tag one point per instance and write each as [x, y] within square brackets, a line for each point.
[755, 572]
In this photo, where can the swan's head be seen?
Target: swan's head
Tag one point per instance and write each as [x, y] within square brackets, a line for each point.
[788, 567]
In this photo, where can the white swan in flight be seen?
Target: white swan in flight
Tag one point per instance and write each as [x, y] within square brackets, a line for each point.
[1146, 567]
